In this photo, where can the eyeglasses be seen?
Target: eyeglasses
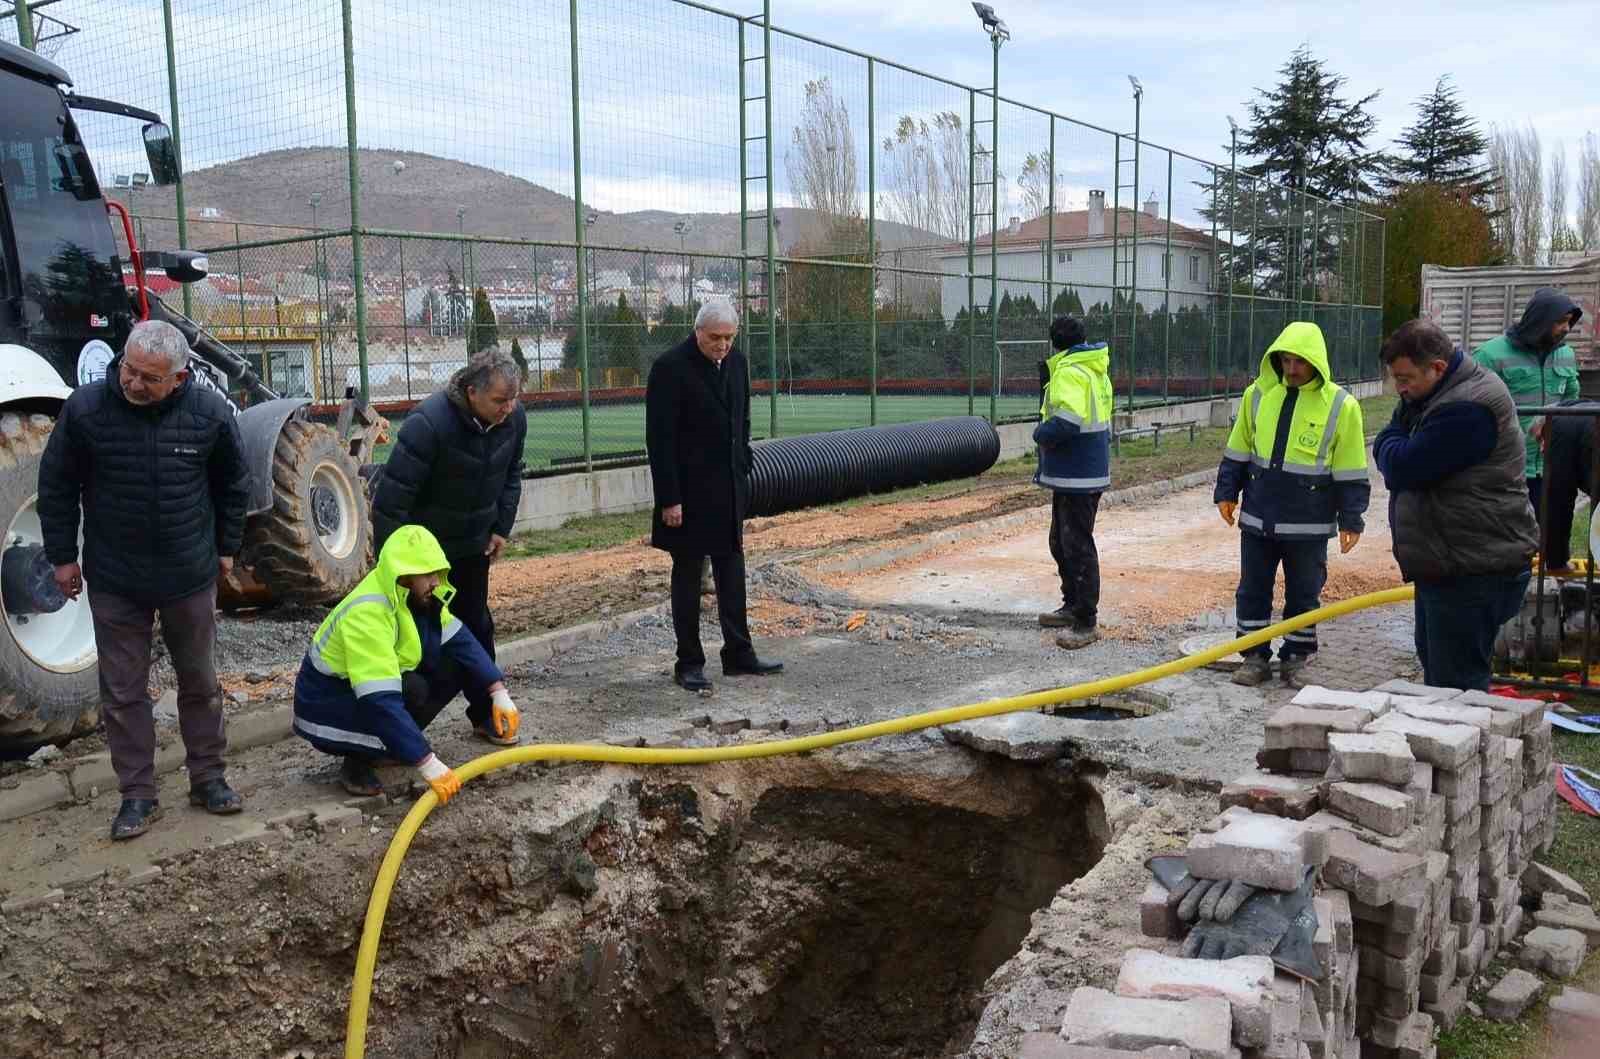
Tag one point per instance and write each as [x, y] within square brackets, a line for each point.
[130, 374]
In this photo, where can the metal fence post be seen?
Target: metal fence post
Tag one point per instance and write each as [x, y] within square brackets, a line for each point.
[994, 239]
[177, 142]
[771, 231]
[972, 244]
[1050, 236]
[1166, 297]
[872, 254]
[358, 274]
[1214, 296]
[405, 324]
[578, 226]
[25, 27]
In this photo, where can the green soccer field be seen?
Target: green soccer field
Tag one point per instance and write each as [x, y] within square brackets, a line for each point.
[618, 430]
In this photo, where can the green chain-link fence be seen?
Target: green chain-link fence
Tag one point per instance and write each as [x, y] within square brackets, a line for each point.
[891, 191]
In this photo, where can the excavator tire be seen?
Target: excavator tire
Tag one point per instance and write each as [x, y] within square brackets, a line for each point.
[49, 676]
[314, 543]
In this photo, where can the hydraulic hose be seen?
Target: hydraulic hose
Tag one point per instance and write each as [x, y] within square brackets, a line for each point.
[378, 904]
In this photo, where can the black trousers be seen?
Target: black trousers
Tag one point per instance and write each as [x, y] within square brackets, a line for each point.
[728, 573]
[470, 577]
[1305, 571]
[427, 692]
[1077, 560]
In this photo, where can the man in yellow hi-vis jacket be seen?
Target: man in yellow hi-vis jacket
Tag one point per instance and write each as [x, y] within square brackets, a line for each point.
[1074, 439]
[1298, 454]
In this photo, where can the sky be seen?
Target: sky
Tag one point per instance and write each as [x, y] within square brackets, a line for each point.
[488, 81]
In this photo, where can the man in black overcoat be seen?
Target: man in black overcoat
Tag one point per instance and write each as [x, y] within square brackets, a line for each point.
[697, 428]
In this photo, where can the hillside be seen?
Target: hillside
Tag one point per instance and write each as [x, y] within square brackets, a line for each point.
[275, 189]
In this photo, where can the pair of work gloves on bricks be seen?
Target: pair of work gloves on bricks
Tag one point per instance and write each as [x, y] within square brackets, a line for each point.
[1229, 918]
[441, 777]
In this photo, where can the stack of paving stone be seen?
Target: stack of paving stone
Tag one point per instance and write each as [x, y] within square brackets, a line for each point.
[1423, 807]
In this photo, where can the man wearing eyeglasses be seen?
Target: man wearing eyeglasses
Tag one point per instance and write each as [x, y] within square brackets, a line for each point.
[154, 466]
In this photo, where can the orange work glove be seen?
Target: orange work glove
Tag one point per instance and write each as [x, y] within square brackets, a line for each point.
[504, 714]
[1227, 508]
[1347, 540]
[441, 777]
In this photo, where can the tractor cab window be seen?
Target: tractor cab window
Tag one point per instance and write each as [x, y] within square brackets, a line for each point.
[69, 272]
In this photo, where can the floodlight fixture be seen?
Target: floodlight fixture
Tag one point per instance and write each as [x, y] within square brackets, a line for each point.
[992, 23]
[1233, 126]
[1138, 89]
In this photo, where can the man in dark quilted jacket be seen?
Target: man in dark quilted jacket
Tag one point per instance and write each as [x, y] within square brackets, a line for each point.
[153, 464]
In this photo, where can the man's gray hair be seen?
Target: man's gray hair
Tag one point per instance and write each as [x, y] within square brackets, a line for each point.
[160, 338]
[486, 368]
[715, 311]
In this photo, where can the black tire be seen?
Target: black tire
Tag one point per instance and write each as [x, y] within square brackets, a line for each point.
[314, 544]
[40, 703]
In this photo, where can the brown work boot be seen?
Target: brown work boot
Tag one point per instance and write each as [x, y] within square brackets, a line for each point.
[1077, 636]
[1060, 618]
[1293, 670]
[1253, 673]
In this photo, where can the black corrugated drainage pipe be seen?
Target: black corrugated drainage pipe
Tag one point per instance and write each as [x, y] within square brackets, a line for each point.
[794, 473]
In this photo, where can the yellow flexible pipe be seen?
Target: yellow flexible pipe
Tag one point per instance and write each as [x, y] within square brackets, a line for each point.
[355, 1045]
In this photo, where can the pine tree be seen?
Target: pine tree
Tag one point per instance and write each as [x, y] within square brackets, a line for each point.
[485, 330]
[1307, 136]
[1444, 147]
[520, 357]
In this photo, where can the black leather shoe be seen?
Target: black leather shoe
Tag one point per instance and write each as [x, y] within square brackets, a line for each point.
[357, 777]
[751, 667]
[692, 678]
[216, 797]
[134, 818]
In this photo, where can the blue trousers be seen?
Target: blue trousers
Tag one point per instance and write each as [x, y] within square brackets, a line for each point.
[1305, 571]
[1456, 625]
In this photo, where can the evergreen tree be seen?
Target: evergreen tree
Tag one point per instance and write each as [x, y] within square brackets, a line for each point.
[485, 330]
[1444, 147]
[1307, 136]
[520, 357]
[1309, 140]
[1067, 303]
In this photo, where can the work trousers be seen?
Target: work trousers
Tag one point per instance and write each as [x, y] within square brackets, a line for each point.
[727, 571]
[470, 578]
[1077, 561]
[1456, 623]
[1305, 571]
[123, 632]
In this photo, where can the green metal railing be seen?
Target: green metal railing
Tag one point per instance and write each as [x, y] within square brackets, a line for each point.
[870, 306]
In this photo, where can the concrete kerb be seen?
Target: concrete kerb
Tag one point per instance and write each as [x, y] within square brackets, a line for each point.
[93, 774]
[1133, 494]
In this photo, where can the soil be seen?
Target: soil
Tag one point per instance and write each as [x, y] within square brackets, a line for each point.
[906, 896]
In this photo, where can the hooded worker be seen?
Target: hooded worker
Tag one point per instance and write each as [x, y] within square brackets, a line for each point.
[386, 661]
[1539, 368]
[1298, 454]
[1074, 439]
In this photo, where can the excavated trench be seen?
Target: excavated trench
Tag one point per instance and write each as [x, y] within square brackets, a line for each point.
[793, 909]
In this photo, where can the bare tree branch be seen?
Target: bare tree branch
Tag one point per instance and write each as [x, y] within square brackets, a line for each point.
[822, 162]
[924, 174]
[1589, 192]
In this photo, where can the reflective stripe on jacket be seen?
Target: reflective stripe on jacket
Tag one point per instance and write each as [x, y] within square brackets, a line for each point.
[348, 696]
[1074, 431]
[1298, 454]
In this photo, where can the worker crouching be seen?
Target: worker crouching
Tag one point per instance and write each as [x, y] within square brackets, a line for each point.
[1298, 455]
[385, 663]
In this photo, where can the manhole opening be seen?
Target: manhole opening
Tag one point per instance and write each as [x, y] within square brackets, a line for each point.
[1122, 706]
[858, 919]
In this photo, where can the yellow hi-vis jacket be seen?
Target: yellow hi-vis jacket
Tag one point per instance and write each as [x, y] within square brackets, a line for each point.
[348, 697]
[1298, 454]
[1074, 431]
